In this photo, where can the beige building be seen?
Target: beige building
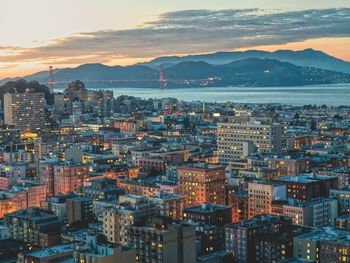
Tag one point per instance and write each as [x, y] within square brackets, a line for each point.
[261, 195]
[170, 205]
[243, 136]
[26, 111]
[315, 213]
[288, 166]
[131, 210]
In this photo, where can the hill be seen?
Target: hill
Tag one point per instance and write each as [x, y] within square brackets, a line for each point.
[303, 58]
[245, 72]
[21, 85]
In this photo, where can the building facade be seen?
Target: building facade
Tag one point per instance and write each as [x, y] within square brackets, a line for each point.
[26, 111]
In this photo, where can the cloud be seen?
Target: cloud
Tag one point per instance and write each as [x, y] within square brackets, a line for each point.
[189, 31]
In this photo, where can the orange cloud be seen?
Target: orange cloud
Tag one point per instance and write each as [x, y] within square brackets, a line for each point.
[190, 32]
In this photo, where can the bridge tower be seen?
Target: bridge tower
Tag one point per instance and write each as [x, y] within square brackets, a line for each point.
[162, 80]
[50, 81]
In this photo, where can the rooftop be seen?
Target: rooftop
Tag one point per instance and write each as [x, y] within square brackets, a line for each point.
[55, 250]
[207, 208]
[305, 178]
[326, 234]
[32, 213]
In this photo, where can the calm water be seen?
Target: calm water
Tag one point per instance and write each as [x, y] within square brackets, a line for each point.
[322, 94]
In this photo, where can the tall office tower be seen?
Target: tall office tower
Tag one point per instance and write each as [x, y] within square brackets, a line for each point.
[202, 183]
[246, 135]
[26, 111]
[261, 195]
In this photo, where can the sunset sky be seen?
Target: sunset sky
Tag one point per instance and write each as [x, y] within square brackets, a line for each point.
[66, 33]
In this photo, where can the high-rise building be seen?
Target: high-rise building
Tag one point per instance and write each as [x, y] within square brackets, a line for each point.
[79, 209]
[57, 205]
[159, 241]
[261, 195]
[170, 205]
[202, 183]
[317, 212]
[34, 226]
[69, 177]
[21, 196]
[343, 175]
[35, 192]
[264, 238]
[243, 136]
[322, 245]
[289, 166]
[131, 210]
[209, 221]
[239, 203]
[61, 103]
[101, 189]
[11, 200]
[26, 111]
[304, 187]
[64, 177]
[343, 197]
[208, 214]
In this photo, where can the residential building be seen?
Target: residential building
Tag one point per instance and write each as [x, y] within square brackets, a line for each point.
[131, 210]
[170, 205]
[314, 213]
[289, 166]
[343, 197]
[264, 238]
[97, 252]
[304, 187]
[261, 195]
[79, 209]
[202, 183]
[34, 226]
[243, 136]
[160, 241]
[26, 111]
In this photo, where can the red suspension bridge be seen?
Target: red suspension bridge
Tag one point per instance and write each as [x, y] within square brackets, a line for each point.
[162, 81]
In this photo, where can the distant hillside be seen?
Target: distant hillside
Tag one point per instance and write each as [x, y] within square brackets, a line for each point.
[88, 72]
[256, 72]
[246, 72]
[304, 58]
[21, 85]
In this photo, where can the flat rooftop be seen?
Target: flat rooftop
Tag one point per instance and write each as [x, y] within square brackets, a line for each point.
[207, 208]
[305, 178]
[51, 251]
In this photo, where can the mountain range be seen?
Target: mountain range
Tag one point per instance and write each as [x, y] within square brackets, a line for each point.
[247, 68]
[304, 58]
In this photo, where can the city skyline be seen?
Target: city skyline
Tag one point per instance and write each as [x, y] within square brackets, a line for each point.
[116, 33]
